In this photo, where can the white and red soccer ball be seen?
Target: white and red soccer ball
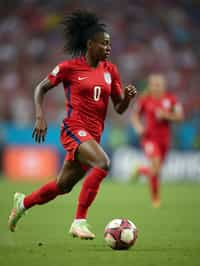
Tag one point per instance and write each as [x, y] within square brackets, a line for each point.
[120, 234]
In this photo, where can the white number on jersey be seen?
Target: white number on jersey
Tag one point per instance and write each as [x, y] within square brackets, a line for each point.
[97, 93]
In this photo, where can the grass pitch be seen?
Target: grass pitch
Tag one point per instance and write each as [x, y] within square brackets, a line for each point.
[167, 236]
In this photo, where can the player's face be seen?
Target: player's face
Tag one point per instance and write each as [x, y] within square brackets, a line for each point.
[156, 85]
[101, 46]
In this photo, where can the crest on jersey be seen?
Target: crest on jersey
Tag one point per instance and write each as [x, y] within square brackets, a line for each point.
[107, 78]
[82, 133]
[55, 71]
[166, 103]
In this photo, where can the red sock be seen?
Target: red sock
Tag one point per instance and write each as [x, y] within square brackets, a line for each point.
[144, 170]
[154, 187]
[89, 191]
[44, 194]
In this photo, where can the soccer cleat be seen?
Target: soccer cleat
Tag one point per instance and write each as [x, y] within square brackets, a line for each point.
[17, 211]
[81, 230]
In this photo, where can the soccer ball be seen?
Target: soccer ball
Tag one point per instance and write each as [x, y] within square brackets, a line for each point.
[120, 234]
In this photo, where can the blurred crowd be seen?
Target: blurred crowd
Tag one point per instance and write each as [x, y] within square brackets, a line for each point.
[147, 36]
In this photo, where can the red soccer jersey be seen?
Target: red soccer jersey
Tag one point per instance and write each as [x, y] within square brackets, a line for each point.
[87, 91]
[156, 129]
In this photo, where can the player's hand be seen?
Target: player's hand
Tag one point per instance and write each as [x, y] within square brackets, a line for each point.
[140, 130]
[130, 92]
[161, 114]
[40, 130]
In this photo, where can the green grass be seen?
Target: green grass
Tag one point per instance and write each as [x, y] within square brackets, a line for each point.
[167, 236]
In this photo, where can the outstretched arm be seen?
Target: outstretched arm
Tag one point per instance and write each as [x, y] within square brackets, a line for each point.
[40, 128]
[122, 101]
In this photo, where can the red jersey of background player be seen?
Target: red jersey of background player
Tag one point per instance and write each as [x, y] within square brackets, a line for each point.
[156, 129]
[87, 91]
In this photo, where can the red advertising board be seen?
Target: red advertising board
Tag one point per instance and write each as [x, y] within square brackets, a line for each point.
[28, 163]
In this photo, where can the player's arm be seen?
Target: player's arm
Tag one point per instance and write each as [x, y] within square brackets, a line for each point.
[40, 127]
[136, 120]
[53, 79]
[121, 99]
[176, 115]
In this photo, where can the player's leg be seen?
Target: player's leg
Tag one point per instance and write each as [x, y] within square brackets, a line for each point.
[154, 179]
[92, 155]
[157, 161]
[153, 151]
[141, 169]
[69, 175]
[144, 170]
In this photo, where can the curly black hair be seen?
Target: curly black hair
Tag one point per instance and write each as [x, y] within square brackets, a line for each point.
[79, 27]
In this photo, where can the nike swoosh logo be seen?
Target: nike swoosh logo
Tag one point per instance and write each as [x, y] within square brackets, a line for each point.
[82, 78]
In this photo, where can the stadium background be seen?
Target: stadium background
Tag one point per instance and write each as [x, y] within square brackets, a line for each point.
[147, 36]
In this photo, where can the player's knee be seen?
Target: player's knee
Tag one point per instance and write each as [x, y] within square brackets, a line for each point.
[68, 189]
[64, 186]
[103, 163]
[156, 169]
[156, 166]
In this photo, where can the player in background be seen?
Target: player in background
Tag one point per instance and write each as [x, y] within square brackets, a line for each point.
[89, 80]
[151, 118]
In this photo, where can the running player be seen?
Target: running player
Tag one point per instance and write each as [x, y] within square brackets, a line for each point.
[89, 80]
[151, 118]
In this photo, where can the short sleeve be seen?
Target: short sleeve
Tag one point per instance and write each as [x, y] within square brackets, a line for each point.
[59, 74]
[116, 85]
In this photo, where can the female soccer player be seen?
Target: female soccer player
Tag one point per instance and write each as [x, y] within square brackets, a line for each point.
[158, 108]
[88, 80]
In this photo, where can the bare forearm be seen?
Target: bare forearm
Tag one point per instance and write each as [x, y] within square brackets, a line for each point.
[122, 106]
[39, 93]
[122, 101]
[174, 117]
[137, 124]
[40, 128]
[38, 100]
